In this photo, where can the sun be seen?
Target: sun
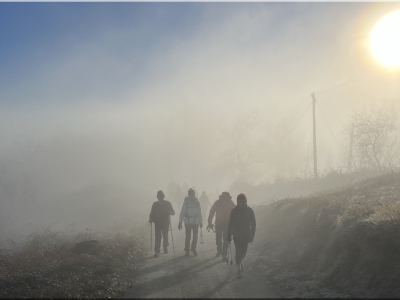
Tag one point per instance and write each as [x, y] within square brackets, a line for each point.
[385, 39]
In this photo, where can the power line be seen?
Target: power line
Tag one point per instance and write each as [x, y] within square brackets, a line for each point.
[353, 81]
[334, 137]
[299, 120]
[288, 137]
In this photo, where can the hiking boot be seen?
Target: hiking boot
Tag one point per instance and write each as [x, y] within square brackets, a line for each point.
[165, 250]
[239, 274]
[187, 253]
[156, 254]
[194, 252]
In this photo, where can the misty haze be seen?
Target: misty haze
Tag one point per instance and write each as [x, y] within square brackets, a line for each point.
[204, 150]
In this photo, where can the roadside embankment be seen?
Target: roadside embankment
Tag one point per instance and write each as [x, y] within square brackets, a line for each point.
[53, 264]
[337, 243]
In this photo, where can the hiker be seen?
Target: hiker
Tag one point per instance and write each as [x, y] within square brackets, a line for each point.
[222, 209]
[191, 213]
[204, 202]
[160, 216]
[242, 225]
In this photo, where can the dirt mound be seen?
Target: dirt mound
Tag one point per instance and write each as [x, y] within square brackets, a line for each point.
[46, 267]
[346, 240]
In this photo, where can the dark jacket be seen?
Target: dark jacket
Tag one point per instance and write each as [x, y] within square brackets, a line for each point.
[242, 223]
[160, 212]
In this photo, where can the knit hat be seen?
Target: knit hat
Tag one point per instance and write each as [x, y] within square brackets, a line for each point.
[242, 197]
[191, 191]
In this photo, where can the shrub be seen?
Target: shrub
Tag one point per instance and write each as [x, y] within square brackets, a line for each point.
[46, 266]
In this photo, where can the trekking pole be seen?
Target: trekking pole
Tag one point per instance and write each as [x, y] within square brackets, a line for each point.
[201, 236]
[227, 258]
[172, 236]
[231, 256]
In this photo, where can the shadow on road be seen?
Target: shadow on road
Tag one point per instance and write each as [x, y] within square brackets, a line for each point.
[210, 293]
[161, 283]
[160, 266]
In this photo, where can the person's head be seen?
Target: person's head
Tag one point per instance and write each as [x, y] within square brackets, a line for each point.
[191, 194]
[242, 200]
[160, 195]
[226, 196]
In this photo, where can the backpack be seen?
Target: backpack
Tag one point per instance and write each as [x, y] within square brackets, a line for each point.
[187, 209]
[161, 211]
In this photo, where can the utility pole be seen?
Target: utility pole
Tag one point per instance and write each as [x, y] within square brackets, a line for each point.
[349, 164]
[314, 138]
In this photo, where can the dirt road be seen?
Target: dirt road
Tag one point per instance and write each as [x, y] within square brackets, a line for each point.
[204, 276]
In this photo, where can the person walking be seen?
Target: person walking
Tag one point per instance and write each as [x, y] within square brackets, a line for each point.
[222, 210]
[160, 216]
[242, 225]
[191, 215]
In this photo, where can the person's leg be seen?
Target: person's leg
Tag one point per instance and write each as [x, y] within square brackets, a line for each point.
[239, 251]
[188, 230]
[195, 235]
[157, 231]
[225, 244]
[218, 238]
[244, 249]
[165, 237]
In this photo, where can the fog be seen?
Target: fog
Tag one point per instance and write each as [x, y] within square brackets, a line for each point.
[96, 121]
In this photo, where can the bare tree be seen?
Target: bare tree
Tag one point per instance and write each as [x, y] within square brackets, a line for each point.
[241, 151]
[283, 151]
[376, 137]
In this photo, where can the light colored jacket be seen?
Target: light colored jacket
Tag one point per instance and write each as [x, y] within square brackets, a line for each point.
[222, 209]
[191, 212]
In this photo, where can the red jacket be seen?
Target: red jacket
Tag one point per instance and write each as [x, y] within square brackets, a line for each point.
[222, 208]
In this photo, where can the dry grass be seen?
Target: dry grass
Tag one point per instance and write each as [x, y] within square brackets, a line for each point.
[46, 267]
[348, 240]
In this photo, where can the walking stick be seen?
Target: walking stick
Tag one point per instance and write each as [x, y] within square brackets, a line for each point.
[201, 236]
[151, 235]
[170, 226]
[231, 255]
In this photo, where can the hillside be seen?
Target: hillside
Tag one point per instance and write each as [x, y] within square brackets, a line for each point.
[346, 241]
[61, 265]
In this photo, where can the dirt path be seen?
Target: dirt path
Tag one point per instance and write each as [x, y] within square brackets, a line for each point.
[204, 276]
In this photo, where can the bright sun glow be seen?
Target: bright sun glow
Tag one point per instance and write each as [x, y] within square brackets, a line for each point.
[385, 39]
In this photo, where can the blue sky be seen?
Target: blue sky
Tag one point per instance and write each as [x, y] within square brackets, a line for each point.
[61, 60]
[35, 36]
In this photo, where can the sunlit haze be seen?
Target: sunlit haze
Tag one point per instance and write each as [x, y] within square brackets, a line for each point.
[104, 104]
[385, 39]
